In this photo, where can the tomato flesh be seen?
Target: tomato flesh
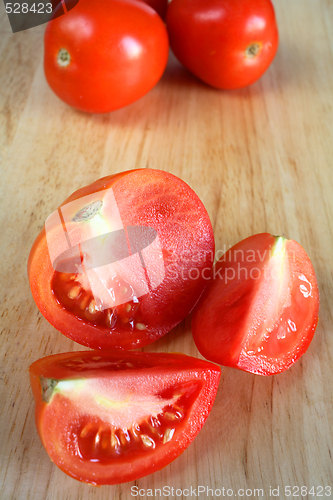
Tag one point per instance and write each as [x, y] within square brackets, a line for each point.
[228, 44]
[122, 261]
[106, 418]
[260, 311]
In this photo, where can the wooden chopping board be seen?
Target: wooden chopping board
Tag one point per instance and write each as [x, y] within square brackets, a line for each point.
[261, 160]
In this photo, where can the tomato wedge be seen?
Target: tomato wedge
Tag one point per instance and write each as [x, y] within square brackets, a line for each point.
[260, 310]
[108, 417]
[123, 260]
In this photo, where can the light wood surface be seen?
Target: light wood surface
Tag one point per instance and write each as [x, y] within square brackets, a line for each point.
[261, 159]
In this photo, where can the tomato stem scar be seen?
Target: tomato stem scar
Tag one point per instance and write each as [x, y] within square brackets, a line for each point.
[253, 50]
[63, 58]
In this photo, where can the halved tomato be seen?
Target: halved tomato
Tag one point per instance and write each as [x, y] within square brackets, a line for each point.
[260, 311]
[108, 418]
[123, 260]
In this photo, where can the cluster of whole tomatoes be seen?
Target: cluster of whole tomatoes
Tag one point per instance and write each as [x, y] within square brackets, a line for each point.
[104, 55]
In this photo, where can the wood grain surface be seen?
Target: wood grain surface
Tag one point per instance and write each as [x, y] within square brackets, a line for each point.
[261, 160]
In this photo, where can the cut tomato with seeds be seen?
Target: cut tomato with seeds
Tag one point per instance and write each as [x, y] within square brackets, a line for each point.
[260, 310]
[122, 261]
[108, 417]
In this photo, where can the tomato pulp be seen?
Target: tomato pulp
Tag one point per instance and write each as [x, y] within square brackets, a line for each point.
[104, 55]
[228, 44]
[260, 311]
[108, 418]
[123, 260]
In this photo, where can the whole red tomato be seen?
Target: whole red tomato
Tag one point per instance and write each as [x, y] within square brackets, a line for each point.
[226, 43]
[123, 260]
[260, 311]
[104, 55]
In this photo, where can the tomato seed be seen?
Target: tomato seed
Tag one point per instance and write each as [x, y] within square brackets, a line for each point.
[74, 292]
[128, 308]
[114, 441]
[97, 439]
[168, 435]
[153, 430]
[135, 430]
[147, 441]
[155, 422]
[111, 318]
[92, 307]
[140, 326]
[84, 302]
[178, 409]
[169, 416]
[66, 277]
[105, 441]
[124, 437]
[129, 365]
[86, 430]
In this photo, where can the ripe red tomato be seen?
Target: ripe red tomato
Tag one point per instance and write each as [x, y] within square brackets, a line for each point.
[226, 43]
[104, 55]
[123, 260]
[108, 418]
[159, 5]
[260, 311]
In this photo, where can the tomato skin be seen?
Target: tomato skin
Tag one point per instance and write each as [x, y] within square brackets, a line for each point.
[260, 311]
[118, 51]
[216, 39]
[165, 203]
[57, 416]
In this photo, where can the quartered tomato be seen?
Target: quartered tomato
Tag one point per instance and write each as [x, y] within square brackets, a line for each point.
[260, 311]
[101, 56]
[228, 44]
[123, 260]
[107, 418]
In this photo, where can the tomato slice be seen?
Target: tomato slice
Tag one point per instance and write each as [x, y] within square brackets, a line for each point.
[122, 261]
[260, 310]
[108, 417]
